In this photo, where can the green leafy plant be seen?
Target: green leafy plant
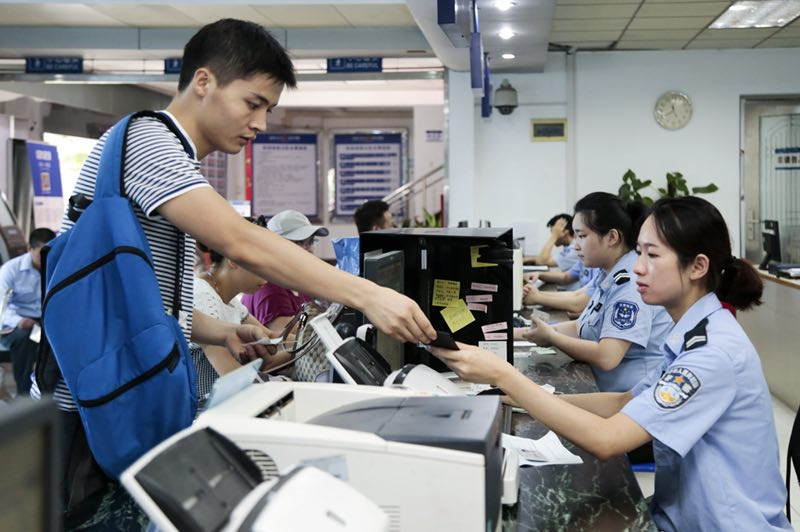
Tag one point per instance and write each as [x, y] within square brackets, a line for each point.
[429, 220]
[676, 187]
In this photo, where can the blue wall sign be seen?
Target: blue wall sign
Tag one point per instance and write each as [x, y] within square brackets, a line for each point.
[173, 65]
[355, 64]
[45, 169]
[53, 65]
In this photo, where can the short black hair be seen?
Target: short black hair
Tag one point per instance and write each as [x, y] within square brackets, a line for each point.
[370, 214]
[235, 49]
[40, 237]
[568, 217]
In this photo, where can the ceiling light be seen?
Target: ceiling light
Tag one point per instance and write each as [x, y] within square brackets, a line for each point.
[508, 56]
[503, 5]
[506, 34]
[758, 14]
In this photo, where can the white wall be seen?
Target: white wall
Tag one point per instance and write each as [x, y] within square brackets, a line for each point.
[615, 94]
[614, 129]
[428, 155]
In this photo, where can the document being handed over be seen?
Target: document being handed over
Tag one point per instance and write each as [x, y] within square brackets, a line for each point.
[547, 450]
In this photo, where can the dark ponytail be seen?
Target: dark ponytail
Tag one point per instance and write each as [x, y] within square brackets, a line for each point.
[692, 226]
[603, 212]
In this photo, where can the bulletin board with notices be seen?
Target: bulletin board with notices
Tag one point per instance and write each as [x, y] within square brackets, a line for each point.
[368, 166]
[286, 174]
[462, 280]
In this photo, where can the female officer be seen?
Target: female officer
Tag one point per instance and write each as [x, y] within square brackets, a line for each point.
[617, 334]
[709, 413]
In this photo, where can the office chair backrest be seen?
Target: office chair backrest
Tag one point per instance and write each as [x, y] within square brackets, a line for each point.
[792, 458]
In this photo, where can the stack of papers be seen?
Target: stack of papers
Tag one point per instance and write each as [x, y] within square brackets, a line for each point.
[547, 450]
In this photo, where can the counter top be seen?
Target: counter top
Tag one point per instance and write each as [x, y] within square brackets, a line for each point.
[785, 281]
[595, 495]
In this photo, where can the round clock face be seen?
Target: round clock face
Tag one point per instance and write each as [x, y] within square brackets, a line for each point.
[673, 110]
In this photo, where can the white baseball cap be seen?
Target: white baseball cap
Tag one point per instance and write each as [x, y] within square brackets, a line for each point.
[294, 226]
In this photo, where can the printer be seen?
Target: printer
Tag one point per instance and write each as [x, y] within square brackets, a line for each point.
[198, 480]
[431, 463]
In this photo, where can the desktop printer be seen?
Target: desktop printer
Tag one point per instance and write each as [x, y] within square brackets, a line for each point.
[198, 480]
[431, 463]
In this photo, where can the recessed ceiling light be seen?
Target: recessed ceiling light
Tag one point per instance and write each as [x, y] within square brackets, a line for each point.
[506, 34]
[508, 56]
[758, 14]
[504, 5]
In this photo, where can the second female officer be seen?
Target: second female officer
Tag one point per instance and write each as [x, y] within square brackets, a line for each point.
[618, 334]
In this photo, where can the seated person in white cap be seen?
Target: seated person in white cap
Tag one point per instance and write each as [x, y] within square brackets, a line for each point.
[273, 305]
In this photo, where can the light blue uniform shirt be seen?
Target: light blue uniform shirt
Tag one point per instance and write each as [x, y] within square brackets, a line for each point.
[616, 310]
[710, 414]
[565, 260]
[23, 279]
[586, 276]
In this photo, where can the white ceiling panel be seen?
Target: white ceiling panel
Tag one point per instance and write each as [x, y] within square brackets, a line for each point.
[319, 16]
[793, 30]
[208, 13]
[599, 24]
[756, 34]
[659, 35]
[567, 37]
[682, 9]
[377, 15]
[146, 15]
[722, 43]
[777, 42]
[671, 23]
[53, 15]
[592, 2]
[650, 45]
[595, 11]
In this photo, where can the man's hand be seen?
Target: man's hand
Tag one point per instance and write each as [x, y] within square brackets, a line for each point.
[26, 323]
[243, 334]
[559, 228]
[398, 316]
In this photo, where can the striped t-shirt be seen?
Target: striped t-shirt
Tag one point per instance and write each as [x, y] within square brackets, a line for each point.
[157, 169]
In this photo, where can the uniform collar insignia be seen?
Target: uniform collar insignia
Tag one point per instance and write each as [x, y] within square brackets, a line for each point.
[622, 277]
[696, 337]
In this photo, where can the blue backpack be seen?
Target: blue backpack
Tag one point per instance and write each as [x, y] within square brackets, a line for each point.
[124, 359]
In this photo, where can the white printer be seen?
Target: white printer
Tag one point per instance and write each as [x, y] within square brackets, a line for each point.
[198, 481]
[430, 463]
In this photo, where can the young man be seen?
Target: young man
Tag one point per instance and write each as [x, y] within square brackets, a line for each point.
[20, 286]
[561, 234]
[373, 215]
[232, 76]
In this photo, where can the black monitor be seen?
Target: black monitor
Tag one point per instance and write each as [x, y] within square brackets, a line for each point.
[30, 461]
[771, 240]
[478, 261]
[387, 269]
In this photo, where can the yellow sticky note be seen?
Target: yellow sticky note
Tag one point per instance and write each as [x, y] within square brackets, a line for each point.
[445, 292]
[474, 252]
[457, 315]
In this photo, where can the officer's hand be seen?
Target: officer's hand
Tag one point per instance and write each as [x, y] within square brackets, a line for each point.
[530, 277]
[539, 333]
[472, 363]
[398, 316]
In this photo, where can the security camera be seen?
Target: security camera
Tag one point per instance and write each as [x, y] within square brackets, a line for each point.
[505, 98]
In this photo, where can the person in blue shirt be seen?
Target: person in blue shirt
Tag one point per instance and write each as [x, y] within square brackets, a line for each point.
[20, 287]
[571, 301]
[618, 334]
[708, 413]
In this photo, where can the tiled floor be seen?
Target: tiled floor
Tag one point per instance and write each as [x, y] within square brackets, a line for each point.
[784, 418]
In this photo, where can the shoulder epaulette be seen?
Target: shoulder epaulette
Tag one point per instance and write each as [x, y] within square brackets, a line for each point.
[622, 277]
[696, 337]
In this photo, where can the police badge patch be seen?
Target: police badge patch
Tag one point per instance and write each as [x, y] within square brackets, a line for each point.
[624, 315]
[675, 387]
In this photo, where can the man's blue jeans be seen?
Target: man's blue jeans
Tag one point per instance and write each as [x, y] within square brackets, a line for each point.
[23, 353]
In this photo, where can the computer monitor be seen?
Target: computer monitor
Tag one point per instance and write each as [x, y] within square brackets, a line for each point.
[30, 461]
[771, 240]
[387, 269]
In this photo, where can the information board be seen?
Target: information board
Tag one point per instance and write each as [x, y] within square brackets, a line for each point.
[48, 205]
[368, 167]
[285, 174]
